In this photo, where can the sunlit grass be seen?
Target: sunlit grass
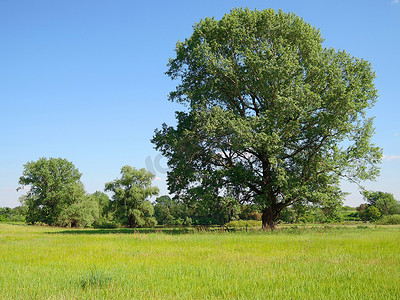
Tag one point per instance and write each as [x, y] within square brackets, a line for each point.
[319, 263]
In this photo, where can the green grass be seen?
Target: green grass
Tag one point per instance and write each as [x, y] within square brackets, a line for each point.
[328, 262]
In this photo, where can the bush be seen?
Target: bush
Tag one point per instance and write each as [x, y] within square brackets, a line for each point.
[105, 223]
[16, 214]
[249, 212]
[384, 202]
[390, 220]
[362, 227]
[368, 213]
[188, 221]
[83, 213]
[288, 215]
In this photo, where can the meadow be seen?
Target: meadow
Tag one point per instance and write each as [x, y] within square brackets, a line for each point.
[330, 262]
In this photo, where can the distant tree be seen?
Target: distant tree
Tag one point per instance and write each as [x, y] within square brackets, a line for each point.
[272, 117]
[368, 212]
[54, 186]
[106, 217]
[104, 202]
[323, 212]
[5, 214]
[361, 211]
[82, 213]
[16, 214]
[371, 213]
[250, 212]
[214, 210]
[130, 194]
[169, 211]
[331, 209]
[288, 215]
[144, 216]
[384, 202]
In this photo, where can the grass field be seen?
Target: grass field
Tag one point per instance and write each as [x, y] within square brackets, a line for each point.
[320, 263]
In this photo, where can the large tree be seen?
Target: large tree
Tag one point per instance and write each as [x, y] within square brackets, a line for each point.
[272, 117]
[54, 184]
[130, 197]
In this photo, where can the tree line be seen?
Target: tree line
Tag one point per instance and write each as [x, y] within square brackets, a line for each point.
[57, 197]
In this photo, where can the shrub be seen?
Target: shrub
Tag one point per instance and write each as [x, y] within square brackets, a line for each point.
[362, 227]
[390, 220]
[188, 221]
[384, 202]
[83, 213]
[105, 223]
[16, 214]
[368, 213]
[288, 215]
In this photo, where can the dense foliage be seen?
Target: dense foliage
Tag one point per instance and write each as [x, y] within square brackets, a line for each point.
[176, 212]
[16, 214]
[58, 198]
[273, 118]
[384, 202]
[390, 220]
[54, 185]
[130, 197]
[82, 212]
[380, 204]
[168, 211]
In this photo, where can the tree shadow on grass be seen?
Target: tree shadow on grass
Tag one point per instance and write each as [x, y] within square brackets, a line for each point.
[171, 231]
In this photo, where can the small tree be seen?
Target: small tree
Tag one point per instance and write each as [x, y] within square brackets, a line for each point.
[332, 210]
[372, 214]
[384, 202]
[16, 214]
[169, 211]
[82, 213]
[130, 193]
[361, 211]
[250, 212]
[368, 212]
[217, 210]
[104, 203]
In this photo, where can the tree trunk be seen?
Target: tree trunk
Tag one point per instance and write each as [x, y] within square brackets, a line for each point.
[269, 216]
[131, 221]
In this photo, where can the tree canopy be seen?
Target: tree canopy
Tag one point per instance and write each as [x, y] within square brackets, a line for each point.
[272, 117]
[130, 197]
[384, 202]
[54, 184]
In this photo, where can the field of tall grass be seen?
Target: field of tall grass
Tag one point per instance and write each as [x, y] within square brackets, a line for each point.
[295, 263]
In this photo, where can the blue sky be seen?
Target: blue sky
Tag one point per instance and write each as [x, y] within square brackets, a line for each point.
[84, 80]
